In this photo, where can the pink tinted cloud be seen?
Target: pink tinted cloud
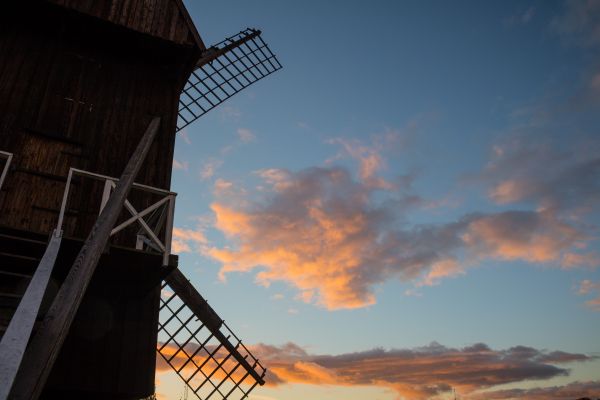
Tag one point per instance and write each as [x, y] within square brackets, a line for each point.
[370, 157]
[520, 235]
[580, 23]
[419, 373]
[563, 180]
[209, 168]
[180, 165]
[246, 135]
[573, 390]
[321, 231]
[187, 240]
[587, 287]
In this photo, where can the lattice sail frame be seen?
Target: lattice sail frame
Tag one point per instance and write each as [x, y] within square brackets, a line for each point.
[189, 347]
[226, 69]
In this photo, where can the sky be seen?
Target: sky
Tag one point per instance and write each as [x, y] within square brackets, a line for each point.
[409, 207]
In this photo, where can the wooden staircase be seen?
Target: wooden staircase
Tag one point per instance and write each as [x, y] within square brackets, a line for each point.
[20, 254]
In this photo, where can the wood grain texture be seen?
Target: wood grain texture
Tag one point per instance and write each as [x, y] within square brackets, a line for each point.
[78, 92]
[146, 16]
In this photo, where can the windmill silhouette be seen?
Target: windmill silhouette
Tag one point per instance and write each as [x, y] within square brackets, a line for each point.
[90, 292]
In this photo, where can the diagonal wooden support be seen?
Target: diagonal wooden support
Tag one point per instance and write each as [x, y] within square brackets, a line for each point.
[190, 296]
[46, 344]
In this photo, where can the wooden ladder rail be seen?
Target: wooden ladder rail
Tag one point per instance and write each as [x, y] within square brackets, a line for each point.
[15, 339]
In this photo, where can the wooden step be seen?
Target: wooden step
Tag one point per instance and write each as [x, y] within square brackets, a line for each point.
[18, 263]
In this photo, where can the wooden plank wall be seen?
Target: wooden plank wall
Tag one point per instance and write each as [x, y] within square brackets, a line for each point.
[110, 351]
[76, 91]
[166, 19]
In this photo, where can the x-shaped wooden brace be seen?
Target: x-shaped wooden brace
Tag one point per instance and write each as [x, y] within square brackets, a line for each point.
[135, 215]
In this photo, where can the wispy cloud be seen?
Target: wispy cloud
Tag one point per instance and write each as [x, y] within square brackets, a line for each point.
[370, 156]
[573, 390]
[580, 23]
[209, 168]
[229, 112]
[246, 135]
[183, 134]
[180, 165]
[588, 287]
[187, 240]
[521, 18]
[528, 169]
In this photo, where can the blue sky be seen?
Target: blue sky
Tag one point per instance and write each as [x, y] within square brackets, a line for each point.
[420, 178]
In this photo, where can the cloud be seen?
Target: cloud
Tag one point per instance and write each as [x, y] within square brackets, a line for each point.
[187, 240]
[209, 168]
[229, 112]
[522, 18]
[574, 260]
[318, 232]
[528, 170]
[418, 373]
[246, 135]
[183, 134]
[573, 390]
[180, 165]
[323, 233]
[370, 157]
[588, 287]
[580, 23]
[537, 237]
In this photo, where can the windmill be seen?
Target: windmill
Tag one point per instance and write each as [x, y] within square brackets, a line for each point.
[92, 94]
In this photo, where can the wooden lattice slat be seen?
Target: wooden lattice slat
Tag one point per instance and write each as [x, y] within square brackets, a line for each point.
[228, 67]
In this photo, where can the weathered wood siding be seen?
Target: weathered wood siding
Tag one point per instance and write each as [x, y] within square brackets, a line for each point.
[166, 19]
[110, 351]
[77, 91]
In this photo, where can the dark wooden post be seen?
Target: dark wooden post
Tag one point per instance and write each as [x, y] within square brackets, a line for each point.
[45, 345]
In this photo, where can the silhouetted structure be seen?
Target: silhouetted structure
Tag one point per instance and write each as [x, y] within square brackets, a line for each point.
[80, 81]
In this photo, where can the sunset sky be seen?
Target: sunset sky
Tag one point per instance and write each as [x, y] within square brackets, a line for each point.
[411, 205]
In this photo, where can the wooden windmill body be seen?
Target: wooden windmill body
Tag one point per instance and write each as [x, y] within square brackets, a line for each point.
[82, 85]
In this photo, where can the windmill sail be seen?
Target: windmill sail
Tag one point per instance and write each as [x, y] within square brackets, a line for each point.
[200, 347]
[224, 70]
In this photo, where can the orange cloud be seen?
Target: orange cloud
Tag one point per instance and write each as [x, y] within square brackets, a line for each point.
[185, 240]
[370, 160]
[564, 181]
[181, 165]
[588, 287]
[530, 236]
[420, 373]
[209, 168]
[573, 260]
[321, 232]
